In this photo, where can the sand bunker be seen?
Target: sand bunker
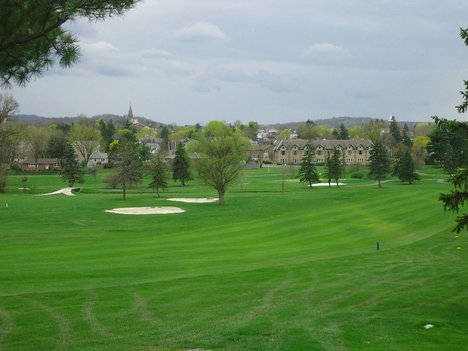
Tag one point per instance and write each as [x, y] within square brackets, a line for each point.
[200, 200]
[64, 191]
[146, 210]
[326, 184]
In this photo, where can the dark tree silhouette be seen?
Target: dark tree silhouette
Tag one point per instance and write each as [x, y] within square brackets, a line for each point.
[33, 33]
[181, 165]
[72, 171]
[379, 162]
[158, 173]
[307, 172]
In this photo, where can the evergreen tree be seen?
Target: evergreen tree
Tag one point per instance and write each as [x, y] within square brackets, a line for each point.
[34, 34]
[308, 130]
[343, 132]
[56, 145]
[379, 161]
[404, 168]
[165, 132]
[463, 107]
[336, 133]
[395, 129]
[158, 170]
[129, 167]
[107, 131]
[405, 137]
[449, 145]
[72, 171]
[336, 168]
[181, 165]
[308, 173]
[458, 197]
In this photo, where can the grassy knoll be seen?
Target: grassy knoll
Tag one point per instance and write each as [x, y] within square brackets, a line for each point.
[271, 270]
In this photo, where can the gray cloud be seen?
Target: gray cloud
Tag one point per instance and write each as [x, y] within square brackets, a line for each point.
[166, 62]
[266, 75]
[201, 31]
[326, 53]
[269, 60]
[205, 84]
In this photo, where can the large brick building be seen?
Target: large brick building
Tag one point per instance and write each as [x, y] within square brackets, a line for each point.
[354, 152]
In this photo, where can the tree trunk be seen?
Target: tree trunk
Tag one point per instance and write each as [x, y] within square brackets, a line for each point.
[221, 197]
[124, 193]
[2, 178]
[378, 181]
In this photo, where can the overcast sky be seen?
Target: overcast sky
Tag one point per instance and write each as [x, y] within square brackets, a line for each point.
[271, 61]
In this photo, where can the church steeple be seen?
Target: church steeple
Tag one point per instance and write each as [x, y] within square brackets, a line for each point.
[130, 113]
[131, 118]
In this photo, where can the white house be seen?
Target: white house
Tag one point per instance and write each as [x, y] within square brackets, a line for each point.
[98, 158]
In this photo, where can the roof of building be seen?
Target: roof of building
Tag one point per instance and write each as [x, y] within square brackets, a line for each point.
[260, 147]
[41, 160]
[99, 155]
[327, 144]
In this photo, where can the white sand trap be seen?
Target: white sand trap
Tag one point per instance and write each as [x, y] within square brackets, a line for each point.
[429, 326]
[200, 200]
[326, 184]
[64, 191]
[146, 210]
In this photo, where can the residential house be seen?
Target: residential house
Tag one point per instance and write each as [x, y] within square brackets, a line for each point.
[98, 158]
[43, 164]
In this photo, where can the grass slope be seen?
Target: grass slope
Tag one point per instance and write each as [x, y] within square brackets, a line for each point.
[271, 270]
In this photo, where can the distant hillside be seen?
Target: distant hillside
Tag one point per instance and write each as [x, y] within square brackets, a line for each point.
[335, 122]
[41, 121]
[26, 117]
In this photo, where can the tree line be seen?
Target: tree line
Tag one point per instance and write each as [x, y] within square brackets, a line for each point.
[217, 152]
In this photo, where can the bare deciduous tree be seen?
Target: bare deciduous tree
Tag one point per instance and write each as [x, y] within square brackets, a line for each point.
[8, 107]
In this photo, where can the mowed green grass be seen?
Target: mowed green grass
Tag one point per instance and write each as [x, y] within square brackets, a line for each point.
[270, 270]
